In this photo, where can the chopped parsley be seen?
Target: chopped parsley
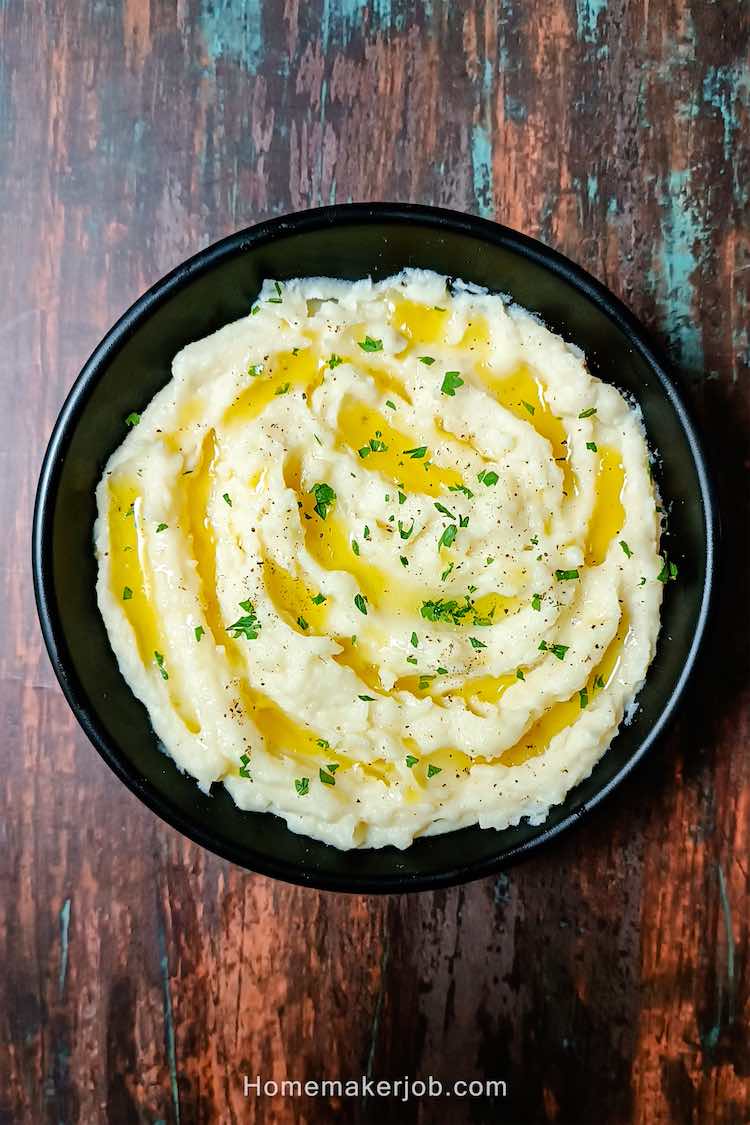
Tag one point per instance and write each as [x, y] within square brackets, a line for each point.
[556, 650]
[326, 778]
[255, 369]
[463, 521]
[417, 453]
[411, 660]
[668, 572]
[588, 413]
[519, 674]
[361, 603]
[324, 498]
[302, 785]
[476, 644]
[227, 499]
[566, 575]
[405, 532]
[592, 446]
[160, 665]
[447, 571]
[366, 698]
[414, 640]
[433, 770]
[536, 602]
[443, 510]
[583, 697]
[390, 403]
[318, 599]
[132, 419]
[626, 549]
[244, 763]
[427, 360]
[247, 626]
[461, 488]
[599, 682]
[404, 560]
[448, 536]
[451, 382]
[488, 477]
[411, 761]
[366, 532]
[355, 547]
[161, 527]
[531, 409]
[199, 632]
[323, 743]
[127, 593]
[335, 361]
[302, 623]
[401, 497]
[283, 389]
[371, 345]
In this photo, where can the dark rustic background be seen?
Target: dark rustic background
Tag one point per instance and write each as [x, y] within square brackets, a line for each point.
[605, 980]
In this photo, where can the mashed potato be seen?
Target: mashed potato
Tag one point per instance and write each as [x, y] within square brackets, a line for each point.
[383, 559]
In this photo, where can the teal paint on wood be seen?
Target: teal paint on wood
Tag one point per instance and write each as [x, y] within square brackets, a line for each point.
[679, 259]
[727, 89]
[587, 18]
[234, 30]
[341, 20]
[481, 163]
[64, 944]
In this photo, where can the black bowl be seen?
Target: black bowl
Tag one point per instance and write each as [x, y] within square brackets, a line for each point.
[133, 362]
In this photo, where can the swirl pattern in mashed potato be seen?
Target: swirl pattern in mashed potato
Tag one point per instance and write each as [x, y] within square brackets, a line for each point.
[383, 559]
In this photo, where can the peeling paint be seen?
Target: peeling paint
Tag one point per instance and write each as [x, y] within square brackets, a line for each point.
[481, 163]
[592, 188]
[587, 18]
[233, 30]
[64, 917]
[727, 88]
[341, 19]
[679, 258]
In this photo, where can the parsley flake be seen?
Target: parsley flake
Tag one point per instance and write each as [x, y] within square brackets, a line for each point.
[370, 345]
[132, 419]
[199, 632]
[588, 413]
[324, 498]
[427, 360]
[417, 453]
[448, 536]
[160, 665]
[626, 550]
[476, 644]
[361, 603]
[302, 785]
[247, 626]
[451, 382]
[433, 770]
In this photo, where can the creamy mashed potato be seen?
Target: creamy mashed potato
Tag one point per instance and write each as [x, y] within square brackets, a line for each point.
[383, 559]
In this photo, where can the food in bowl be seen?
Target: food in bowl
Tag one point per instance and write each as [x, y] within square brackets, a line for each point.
[383, 559]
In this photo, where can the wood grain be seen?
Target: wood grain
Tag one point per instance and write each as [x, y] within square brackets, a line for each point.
[605, 980]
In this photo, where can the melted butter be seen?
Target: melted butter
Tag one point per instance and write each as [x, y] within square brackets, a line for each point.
[539, 735]
[284, 736]
[420, 324]
[129, 566]
[303, 372]
[487, 689]
[608, 515]
[476, 338]
[386, 382]
[358, 424]
[449, 761]
[330, 544]
[523, 386]
[354, 656]
[293, 599]
[197, 487]
[495, 607]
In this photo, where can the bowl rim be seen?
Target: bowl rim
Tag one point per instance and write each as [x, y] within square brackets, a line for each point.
[76, 400]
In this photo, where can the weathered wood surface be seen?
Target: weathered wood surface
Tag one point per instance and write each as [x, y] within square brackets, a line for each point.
[605, 980]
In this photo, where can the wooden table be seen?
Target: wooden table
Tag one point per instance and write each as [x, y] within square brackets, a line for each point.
[604, 980]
